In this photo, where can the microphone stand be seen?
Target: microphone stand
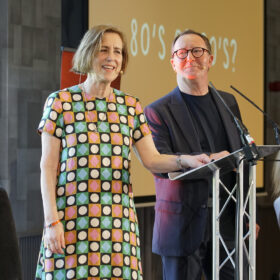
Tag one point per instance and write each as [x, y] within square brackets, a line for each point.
[249, 147]
[275, 126]
[251, 155]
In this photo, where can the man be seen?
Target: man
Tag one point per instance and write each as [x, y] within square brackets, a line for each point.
[191, 119]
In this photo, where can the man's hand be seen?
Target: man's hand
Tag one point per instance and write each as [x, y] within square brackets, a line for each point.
[258, 228]
[219, 155]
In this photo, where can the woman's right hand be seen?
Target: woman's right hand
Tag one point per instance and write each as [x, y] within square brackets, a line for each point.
[54, 238]
[188, 161]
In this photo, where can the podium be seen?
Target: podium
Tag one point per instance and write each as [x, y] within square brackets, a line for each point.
[245, 242]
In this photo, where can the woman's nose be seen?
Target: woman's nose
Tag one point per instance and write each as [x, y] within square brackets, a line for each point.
[110, 55]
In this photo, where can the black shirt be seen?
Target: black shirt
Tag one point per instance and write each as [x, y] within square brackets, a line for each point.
[207, 122]
[210, 129]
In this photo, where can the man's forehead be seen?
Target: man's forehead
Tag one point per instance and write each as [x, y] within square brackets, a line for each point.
[190, 39]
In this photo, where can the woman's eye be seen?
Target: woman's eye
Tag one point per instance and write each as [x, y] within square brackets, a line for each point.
[103, 50]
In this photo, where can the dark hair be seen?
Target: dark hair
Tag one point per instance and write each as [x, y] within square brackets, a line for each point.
[190, 31]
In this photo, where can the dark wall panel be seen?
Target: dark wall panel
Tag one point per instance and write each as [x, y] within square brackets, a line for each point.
[74, 21]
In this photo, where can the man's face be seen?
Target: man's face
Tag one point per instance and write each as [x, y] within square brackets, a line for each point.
[191, 67]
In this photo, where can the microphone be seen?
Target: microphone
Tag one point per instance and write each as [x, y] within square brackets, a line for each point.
[249, 146]
[272, 122]
[203, 67]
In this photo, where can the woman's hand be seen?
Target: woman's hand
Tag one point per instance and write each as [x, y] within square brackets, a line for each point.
[54, 238]
[164, 163]
[188, 161]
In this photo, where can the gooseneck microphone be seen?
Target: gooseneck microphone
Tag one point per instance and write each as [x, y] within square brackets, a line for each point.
[274, 125]
[249, 146]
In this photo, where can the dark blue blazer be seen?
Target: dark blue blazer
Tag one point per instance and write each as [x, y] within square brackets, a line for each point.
[181, 206]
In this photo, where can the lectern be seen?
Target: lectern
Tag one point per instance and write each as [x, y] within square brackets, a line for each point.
[245, 245]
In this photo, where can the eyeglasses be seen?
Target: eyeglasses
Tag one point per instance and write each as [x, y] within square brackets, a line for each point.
[197, 52]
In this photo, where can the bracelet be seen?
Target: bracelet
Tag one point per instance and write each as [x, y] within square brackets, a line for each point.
[53, 224]
[179, 162]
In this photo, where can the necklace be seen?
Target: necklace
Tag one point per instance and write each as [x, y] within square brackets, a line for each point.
[94, 116]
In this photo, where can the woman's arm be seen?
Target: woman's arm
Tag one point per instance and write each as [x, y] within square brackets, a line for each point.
[54, 236]
[160, 163]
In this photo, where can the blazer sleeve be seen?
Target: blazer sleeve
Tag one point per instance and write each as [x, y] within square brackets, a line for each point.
[160, 134]
[160, 131]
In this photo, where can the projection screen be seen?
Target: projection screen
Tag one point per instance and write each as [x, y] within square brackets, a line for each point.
[236, 33]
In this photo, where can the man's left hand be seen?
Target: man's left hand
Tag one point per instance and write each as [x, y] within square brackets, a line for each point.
[219, 155]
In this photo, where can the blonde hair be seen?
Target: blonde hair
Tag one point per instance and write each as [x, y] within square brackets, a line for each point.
[276, 178]
[90, 45]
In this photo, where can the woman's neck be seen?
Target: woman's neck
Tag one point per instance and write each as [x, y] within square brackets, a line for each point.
[95, 88]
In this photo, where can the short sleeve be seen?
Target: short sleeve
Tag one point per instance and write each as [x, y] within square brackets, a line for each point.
[52, 119]
[141, 128]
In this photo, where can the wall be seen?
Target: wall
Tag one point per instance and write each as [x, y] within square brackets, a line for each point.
[30, 69]
[30, 32]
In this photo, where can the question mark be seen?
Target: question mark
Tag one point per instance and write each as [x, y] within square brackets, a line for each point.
[233, 43]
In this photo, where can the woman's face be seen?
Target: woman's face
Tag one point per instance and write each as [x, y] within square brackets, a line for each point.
[107, 63]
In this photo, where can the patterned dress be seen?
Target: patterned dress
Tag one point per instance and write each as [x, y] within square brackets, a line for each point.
[94, 193]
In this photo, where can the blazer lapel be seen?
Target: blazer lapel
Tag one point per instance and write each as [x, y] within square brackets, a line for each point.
[229, 125]
[183, 118]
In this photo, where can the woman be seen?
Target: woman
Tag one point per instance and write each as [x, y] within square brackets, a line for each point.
[91, 229]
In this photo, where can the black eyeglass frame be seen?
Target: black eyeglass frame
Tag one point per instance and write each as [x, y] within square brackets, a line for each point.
[192, 51]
